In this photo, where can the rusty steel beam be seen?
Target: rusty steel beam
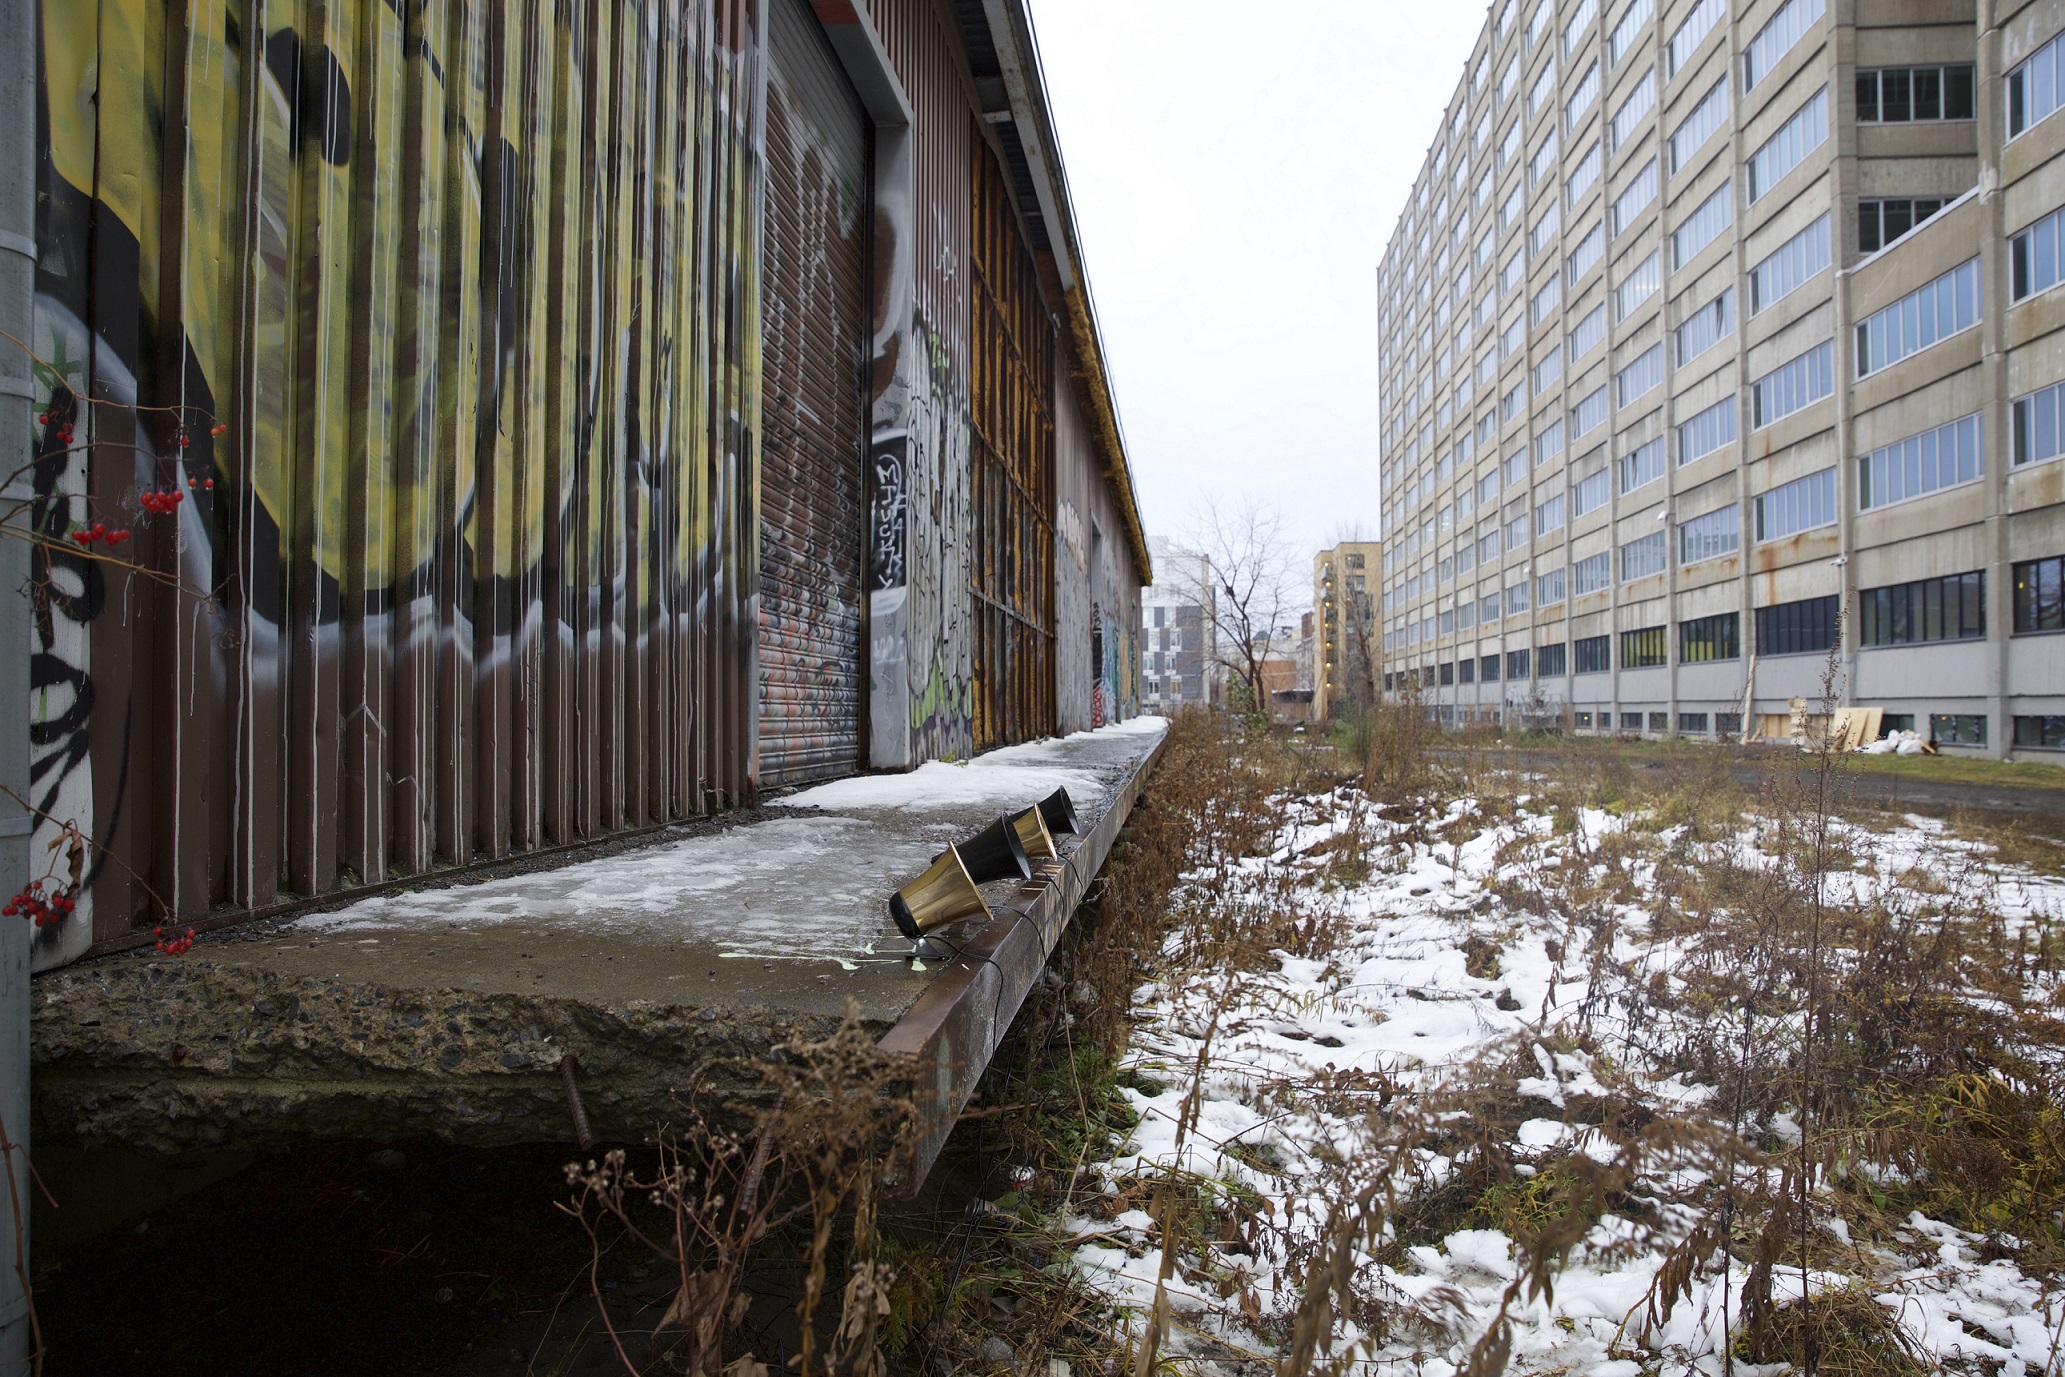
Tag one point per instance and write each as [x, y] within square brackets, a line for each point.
[957, 1024]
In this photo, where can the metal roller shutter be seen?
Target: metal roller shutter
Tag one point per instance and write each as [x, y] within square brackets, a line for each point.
[815, 321]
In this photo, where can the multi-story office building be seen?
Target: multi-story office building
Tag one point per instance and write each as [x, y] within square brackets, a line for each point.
[1721, 332]
[1178, 632]
[1345, 586]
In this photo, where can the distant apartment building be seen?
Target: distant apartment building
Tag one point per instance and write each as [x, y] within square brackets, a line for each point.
[1345, 589]
[1178, 646]
[1719, 333]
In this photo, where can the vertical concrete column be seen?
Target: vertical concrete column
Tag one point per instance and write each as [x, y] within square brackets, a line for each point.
[1997, 428]
[17, 295]
[1842, 116]
[888, 563]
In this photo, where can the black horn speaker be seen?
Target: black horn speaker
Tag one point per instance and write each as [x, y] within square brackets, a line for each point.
[1060, 813]
[995, 853]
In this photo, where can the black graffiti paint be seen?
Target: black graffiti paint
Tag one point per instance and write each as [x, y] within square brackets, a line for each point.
[888, 508]
[318, 96]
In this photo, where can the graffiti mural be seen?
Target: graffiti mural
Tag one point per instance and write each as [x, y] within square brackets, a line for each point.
[470, 566]
[942, 671]
[920, 664]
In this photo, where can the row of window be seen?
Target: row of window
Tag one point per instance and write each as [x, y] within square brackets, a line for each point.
[2031, 731]
[1915, 466]
[1940, 308]
[1947, 608]
[1903, 94]
[1886, 94]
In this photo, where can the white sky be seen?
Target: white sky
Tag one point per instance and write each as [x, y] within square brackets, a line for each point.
[1236, 170]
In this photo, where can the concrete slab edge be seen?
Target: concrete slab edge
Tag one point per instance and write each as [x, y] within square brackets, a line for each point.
[956, 1025]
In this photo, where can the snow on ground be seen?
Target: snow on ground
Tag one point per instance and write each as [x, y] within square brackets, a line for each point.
[1396, 1007]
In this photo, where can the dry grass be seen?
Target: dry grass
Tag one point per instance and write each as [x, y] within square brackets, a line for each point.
[1871, 1053]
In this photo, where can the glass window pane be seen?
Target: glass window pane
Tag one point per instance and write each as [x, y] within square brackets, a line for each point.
[1928, 93]
[1957, 92]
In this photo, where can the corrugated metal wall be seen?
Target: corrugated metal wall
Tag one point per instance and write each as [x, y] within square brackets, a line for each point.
[1012, 348]
[815, 425]
[472, 571]
[1097, 583]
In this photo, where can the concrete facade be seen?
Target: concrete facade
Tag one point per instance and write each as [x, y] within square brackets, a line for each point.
[1346, 587]
[1667, 386]
[1178, 633]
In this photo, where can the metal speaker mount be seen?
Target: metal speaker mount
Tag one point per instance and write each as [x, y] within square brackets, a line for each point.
[1033, 834]
[943, 894]
[1059, 813]
[995, 853]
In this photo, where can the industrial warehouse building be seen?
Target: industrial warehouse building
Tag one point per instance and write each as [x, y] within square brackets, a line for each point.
[539, 424]
[1718, 332]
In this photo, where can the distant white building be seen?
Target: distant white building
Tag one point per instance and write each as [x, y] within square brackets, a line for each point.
[1179, 653]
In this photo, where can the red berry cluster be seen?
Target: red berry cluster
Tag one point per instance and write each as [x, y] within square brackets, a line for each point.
[98, 531]
[208, 483]
[40, 905]
[63, 432]
[160, 502]
[176, 945]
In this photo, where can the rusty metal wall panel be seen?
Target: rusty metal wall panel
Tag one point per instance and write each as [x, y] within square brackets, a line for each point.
[1012, 410]
[1078, 476]
[472, 569]
[814, 428]
[1097, 581]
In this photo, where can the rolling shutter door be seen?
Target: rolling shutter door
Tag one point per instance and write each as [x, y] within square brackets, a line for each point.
[815, 323]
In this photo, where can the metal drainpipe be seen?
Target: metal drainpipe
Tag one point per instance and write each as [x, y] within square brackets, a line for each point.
[17, 289]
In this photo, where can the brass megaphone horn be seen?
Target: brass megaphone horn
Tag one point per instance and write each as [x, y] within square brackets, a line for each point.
[942, 895]
[1059, 813]
[995, 853]
[1033, 834]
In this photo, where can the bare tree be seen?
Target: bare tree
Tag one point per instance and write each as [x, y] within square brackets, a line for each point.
[1246, 582]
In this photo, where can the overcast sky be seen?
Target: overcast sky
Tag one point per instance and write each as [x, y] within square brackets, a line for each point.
[1236, 170]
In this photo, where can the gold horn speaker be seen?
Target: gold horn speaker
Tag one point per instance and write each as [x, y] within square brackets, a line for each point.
[1059, 813]
[1033, 834]
[942, 895]
[994, 853]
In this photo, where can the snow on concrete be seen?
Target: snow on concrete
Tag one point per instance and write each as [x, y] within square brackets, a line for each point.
[1008, 778]
[813, 885]
[792, 882]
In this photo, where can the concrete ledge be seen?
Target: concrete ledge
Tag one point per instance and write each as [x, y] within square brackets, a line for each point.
[668, 970]
[954, 1028]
